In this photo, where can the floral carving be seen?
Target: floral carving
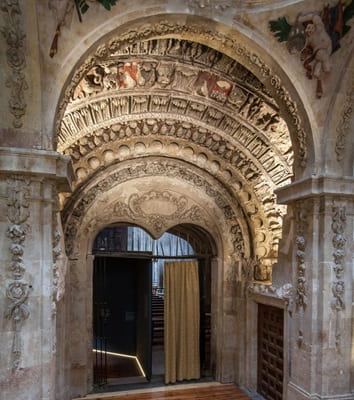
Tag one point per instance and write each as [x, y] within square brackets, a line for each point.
[301, 286]
[338, 285]
[18, 288]
[15, 36]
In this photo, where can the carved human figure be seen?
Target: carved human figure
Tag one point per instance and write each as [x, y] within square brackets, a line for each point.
[318, 49]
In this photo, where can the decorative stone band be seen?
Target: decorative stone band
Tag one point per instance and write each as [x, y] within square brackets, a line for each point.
[15, 53]
[338, 286]
[301, 284]
[229, 45]
[14, 164]
[17, 291]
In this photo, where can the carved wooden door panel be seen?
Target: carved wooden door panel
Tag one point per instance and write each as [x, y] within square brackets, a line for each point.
[270, 352]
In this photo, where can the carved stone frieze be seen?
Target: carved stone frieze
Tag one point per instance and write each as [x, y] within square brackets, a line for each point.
[15, 39]
[135, 36]
[264, 158]
[18, 287]
[301, 284]
[338, 285]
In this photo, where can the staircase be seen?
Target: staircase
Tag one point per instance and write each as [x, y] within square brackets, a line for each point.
[157, 312]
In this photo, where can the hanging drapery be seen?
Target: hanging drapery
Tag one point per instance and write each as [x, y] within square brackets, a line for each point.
[181, 287]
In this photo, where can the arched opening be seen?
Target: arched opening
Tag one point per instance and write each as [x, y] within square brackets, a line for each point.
[162, 116]
[132, 313]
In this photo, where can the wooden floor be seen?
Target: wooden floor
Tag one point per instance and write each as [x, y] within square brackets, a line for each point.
[221, 392]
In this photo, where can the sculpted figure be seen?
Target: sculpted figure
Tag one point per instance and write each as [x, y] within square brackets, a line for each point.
[317, 50]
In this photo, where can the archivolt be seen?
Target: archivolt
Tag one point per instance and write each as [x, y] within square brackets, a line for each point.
[136, 38]
[247, 236]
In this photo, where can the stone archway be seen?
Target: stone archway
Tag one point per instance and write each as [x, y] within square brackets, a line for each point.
[156, 203]
[159, 106]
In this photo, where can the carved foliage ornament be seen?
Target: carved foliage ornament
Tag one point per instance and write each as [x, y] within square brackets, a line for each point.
[166, 28]
[18, 288]
[301, 284]
[15, 36]
[338, 285]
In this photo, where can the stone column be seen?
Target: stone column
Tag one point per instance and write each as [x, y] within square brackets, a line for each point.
[29, 181]
[321, 337]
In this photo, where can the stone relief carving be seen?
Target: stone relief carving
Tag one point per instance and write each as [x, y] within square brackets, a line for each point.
[72, 215]
[338, 285]
[18, 288]
[344, 126]
[301, 285]
[260, 204]
[15, 39]
[278, 171]
[134, 36]
[170, 208]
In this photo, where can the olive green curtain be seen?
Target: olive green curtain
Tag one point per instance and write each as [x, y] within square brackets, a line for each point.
[181, 288]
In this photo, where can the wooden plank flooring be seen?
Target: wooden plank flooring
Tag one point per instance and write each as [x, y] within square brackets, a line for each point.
[220, 392]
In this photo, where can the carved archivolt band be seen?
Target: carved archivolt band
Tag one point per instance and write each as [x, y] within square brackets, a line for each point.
[74, 212]
[134, 36]
[264, 159]
[250, 188]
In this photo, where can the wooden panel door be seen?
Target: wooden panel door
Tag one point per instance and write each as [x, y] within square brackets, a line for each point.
[270, 352]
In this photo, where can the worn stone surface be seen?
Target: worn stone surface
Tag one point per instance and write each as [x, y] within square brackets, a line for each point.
[176, 112]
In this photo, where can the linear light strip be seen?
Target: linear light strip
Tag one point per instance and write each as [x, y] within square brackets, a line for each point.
[125, 356]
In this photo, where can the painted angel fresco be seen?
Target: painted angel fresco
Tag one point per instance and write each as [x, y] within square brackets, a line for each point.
[315, 36]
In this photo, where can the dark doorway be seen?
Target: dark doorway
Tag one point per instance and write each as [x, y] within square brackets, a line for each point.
[128, 301]
[270, 352]
[122, 318]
